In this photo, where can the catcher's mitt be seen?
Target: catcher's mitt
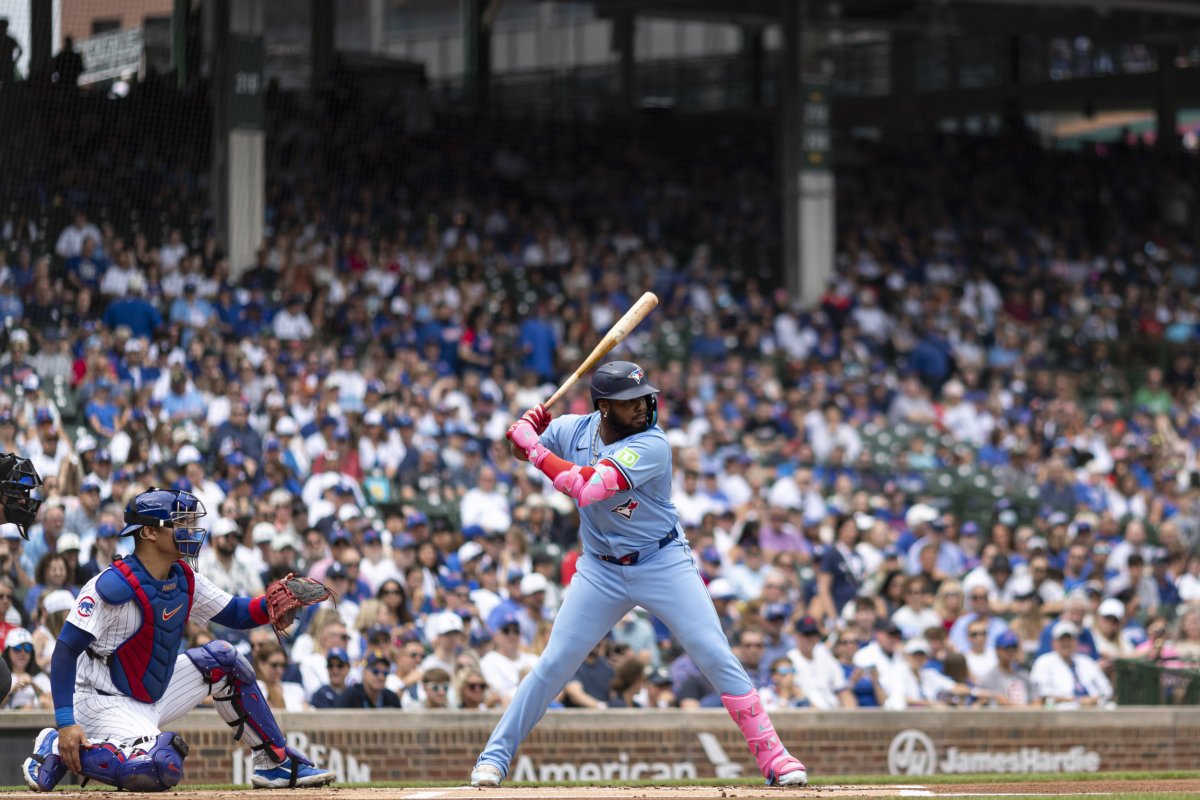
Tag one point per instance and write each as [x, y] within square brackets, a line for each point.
[288, 595]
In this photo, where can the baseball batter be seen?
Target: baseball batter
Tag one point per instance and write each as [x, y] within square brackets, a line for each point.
[118, 679]
[616, 464]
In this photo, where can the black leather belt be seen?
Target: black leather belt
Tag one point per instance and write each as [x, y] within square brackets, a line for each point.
[629, 559]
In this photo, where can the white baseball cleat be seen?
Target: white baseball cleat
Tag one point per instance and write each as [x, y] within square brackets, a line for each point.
[787, 771]
[485, 775]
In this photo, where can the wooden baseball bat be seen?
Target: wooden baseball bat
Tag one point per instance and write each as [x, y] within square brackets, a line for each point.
[616, 334]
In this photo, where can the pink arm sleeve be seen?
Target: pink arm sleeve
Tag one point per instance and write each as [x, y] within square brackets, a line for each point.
[604, 482]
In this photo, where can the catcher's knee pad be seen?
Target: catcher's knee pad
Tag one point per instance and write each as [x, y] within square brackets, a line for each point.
[154, 770]
[241, 704]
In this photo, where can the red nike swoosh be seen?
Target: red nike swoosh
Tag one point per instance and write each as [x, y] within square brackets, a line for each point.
[167, 616]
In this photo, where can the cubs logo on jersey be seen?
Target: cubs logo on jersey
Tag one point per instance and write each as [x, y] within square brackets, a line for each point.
[86, 606]
[637, 376]
[626, 509]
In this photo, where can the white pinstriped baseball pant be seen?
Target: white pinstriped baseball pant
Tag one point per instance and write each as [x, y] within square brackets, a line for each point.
[126, 722]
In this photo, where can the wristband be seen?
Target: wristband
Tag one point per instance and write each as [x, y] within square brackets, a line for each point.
[64, 717]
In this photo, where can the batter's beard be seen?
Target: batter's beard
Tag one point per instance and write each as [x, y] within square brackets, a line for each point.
[623, 431]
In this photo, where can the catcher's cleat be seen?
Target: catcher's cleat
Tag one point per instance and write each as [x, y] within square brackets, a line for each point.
[485, 775]
[291, 773]
[787, 771]
[45, 768]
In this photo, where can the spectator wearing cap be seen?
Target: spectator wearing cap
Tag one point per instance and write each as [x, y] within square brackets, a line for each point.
[1136, 579]
[1112, 639]
[235, 433]
[337, 666]
[723, 597]
[10, 615]
[841, 572]
[1164, 582]
[221, 564]
[372, 691]
[1075, 611]
[508, 662]
[83, 519]
[329, 632]
[798, 491]
[776, 635]
[337, 577]
[979, 607]
[1008, 683]
[291, 323]
[912, 683]
[181, 400]
[950, 561]
[30, 686]
[1066, 677]
[51, 617]
[485, 505]
[101, 474]
[103, 551]
[348, 380]
[883, 654]
[357, 589]
[445, 629]
[16, 367]
[818, 676]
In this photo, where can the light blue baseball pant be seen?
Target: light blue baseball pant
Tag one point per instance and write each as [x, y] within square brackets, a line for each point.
[667, 585]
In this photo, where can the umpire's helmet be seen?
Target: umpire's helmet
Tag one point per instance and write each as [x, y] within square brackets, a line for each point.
[624, 380]
[20, 491]
[168, 508]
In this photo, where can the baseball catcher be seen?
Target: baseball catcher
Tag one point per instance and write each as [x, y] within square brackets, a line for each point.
[118, 678]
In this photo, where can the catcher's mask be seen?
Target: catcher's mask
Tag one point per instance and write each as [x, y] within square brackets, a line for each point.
[169, 508]
[20, 492]
[624, 380]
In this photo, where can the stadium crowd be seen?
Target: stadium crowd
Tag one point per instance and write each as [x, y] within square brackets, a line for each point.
[967, 476]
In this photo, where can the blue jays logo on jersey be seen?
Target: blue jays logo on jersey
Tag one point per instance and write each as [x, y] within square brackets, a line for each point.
[637, 376]
[626, 509]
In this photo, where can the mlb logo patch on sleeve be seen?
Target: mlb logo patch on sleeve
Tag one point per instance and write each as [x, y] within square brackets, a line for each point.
[626, 457]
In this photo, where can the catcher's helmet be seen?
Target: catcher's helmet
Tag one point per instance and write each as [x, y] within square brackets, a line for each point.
[624, 380]
[168, 508]
[20, 491]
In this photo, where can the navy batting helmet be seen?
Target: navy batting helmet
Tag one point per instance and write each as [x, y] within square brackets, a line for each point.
[624, 380]
[168, 508]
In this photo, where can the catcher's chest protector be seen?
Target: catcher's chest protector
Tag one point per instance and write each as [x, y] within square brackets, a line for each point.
[143, 664]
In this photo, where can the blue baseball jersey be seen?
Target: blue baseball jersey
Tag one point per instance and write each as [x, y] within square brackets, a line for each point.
[628, 521]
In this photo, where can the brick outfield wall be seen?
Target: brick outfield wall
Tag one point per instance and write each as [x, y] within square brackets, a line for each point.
[611, 745]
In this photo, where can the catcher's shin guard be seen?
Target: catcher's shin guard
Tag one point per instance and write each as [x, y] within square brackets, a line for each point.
[241, 704]
[154, 770]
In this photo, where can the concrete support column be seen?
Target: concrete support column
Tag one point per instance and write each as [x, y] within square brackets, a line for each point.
[377, 25]
[903, 74]
[477, 53]
[624, 33]
[239, 164]
[809, 222]
[752, 55]
[41, 32]
[1167, 100]
[324, 24]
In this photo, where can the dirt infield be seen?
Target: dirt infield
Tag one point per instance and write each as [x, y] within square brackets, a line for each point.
[1098, 787]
